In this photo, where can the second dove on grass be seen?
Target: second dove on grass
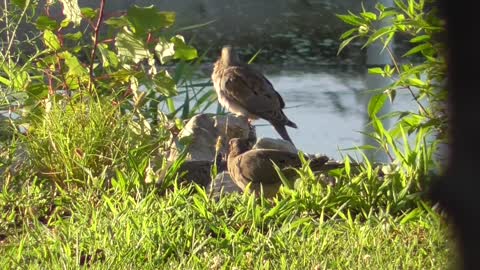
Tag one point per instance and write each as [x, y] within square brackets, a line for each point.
[255, 166]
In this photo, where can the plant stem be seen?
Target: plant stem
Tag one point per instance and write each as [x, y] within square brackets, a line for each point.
[95, 43]
[408, 87]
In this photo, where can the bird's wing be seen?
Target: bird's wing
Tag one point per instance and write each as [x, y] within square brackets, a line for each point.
[253, 92]
[256, 165]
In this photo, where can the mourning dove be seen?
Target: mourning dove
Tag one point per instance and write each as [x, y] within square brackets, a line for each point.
[245, 91]
[255, 166]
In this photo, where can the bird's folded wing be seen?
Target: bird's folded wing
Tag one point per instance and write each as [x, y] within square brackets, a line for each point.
[252, 91]
[256, 165]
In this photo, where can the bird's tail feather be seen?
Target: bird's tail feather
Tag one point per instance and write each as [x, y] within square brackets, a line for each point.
[283, 133]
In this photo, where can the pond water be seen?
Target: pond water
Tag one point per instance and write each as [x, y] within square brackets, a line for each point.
[327, 104]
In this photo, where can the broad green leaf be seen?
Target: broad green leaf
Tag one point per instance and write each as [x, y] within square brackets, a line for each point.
[418, 48]
[117, 22]
[109, 58]
[45, 23]
[65, 23]
[164, 50]
[76, 73]
[72, 11]
[74, 66]
[21, 3]
[351, 19]
[149, 19]
[88, 12]
[376, 104]
[182, 50]
[37, 90]
[164, 84]
[51, 40]
[130, 47]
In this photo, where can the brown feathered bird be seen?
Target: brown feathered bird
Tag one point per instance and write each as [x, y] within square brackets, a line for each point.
[255, 166]
[244, 91]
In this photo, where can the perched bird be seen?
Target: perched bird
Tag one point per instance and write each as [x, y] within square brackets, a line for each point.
[255, 166]
[245, 91]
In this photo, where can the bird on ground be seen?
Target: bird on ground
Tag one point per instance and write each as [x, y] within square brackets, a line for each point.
[245, 91]
[255, 167]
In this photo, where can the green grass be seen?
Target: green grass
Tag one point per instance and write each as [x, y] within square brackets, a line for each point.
[102, 208]
[117, 230]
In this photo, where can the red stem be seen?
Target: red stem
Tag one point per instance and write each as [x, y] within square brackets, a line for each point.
[95, 43]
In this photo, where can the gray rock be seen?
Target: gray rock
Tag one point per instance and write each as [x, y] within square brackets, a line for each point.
[206, 132]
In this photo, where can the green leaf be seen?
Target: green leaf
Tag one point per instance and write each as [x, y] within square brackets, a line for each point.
[418, 48]
[65, 23]
[149, 19]
[388, 40]
[376, 104]
[369, 15]
[45, 23]
[416, 82]
[378, 34]
[37, 90]
[387, 13]
[351, 19]
[117, 22]
[164, 84]
[109, 58]
[21, 3]
[76, 73]
[182, 50]
[348, 33]
[164, 50]
[376, 70]
[72, 11]
[345, 43]
[74, 36]
[421, 38]
[74, 65]
[51, 40]
[88, 13]
[5, 81]
[20, 80]
[130, 47]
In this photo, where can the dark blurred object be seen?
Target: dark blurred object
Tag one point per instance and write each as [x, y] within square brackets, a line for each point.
[458, 190]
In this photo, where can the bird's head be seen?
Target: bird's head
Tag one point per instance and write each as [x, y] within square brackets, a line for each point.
[229, 56]
[238, 146]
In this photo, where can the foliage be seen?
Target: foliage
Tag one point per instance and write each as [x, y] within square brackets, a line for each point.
[90, 103]
[423, 80]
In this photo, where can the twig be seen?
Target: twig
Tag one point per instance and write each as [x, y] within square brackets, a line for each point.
[95, 44]
[408, 87]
